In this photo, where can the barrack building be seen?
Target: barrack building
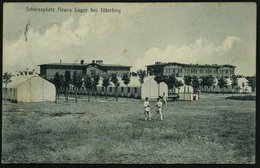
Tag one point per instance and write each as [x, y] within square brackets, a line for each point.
[95, 67]
[181, 69]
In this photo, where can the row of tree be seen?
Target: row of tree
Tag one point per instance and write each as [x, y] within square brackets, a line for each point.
[90, 82]
[208, 81]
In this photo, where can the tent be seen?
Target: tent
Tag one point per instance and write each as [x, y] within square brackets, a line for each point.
[151, 89]
[31, 88]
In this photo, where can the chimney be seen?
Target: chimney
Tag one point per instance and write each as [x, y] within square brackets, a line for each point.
[60, 61]
[93, 61]
[81, 62]
[99, 62]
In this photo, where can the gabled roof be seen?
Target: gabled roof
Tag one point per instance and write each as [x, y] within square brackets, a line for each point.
[63, 64]
[17, 80]
[191, 65]
[86, 64]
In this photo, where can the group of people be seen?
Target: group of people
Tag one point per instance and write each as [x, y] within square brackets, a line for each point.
[161, 101]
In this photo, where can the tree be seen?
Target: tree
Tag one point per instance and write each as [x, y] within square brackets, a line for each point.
[187, 80]
[207, 81]
[77, 82]
[106, 83]
[88, 85]
[126, 79]
[251, 81]
[96, 79]
[170, 80]
[7, 79]
[66, 83]
[203, 81]
[210, 81]
[222, 83]
[116, 83]
[133, 74]
[243, 86]
[178, 84]
[195, 83]
[141, 74]
[234, 83]
[57, 83]
[158, 79]
[62, 82]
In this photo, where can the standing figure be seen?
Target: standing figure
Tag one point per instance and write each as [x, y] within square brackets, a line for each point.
[164, 99]
[147, 113]
[159, 108]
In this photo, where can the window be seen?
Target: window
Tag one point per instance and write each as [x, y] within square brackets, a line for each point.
[110, 89]
[122, 89]
[226, 71]
[103, 89]
[128, 90]
[135, 89]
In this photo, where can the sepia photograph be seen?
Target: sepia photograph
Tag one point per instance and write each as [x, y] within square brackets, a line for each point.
[129, 83]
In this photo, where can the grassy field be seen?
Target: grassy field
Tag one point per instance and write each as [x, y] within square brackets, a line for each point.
[211, 130]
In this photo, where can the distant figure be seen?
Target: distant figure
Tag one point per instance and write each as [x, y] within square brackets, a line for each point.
[159, 108]
[147, 113]
[164, 100]
[198, 94]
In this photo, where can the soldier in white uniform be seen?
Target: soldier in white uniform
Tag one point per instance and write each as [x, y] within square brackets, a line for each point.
[147, 113]
[159, 108]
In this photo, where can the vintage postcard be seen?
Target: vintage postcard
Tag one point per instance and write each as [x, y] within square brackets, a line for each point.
[129, 83]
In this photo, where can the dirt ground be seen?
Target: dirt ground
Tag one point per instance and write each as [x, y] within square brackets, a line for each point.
[210, 130]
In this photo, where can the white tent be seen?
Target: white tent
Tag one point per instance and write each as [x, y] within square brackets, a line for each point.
[30, 89]
[150, 88]
[246, 88]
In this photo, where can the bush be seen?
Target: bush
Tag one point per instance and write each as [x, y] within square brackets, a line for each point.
[247, 97]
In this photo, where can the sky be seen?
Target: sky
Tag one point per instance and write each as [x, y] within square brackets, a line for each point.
[138, 35]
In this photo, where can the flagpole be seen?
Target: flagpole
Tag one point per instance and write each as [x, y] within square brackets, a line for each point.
[27, 40]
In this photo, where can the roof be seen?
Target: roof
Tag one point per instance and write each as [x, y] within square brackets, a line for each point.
[114, 65]
[63, 64]
[17, 80]
[85, 64]
[192, 65]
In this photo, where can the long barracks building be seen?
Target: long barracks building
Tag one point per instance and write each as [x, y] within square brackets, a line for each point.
[96, 67]
[180, 69]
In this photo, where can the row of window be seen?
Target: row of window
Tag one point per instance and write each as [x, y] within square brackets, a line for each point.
[201, 71]
[122, 89]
